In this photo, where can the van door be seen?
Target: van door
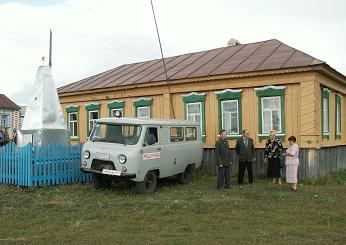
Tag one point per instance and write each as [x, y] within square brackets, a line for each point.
[151, 157]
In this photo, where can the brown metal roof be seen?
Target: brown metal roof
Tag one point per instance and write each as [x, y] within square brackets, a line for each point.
[259, 56]
[6, 103]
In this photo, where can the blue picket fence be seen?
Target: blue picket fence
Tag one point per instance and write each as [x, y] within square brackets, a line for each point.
[36, 166]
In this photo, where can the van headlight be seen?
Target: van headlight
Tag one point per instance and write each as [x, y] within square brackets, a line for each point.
[86, 154]
[122, 159]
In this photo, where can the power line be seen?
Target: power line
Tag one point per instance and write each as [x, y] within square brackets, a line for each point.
[163, 60]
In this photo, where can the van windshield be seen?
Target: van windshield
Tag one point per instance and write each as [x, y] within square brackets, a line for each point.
[116, 133]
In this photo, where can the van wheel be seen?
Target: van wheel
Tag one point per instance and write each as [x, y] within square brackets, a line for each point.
[106, 183]
[148, 185]
[97, 181]
[186, 176]
[100, 182]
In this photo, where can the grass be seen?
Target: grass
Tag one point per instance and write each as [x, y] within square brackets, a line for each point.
[191, 214]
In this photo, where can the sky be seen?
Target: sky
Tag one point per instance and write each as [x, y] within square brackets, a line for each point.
[91, 36]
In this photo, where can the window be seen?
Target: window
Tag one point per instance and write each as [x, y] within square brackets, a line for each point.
[115, 105]
[93, 115]
[229, 109]
[194, 112]
[338, 116]
[325, 113]
[271, 114]
[271, 111]
[190, 133]
[116, 133]
[117, 109]
[195, 109]
[143, 107]
[5, 120]
[73, 124]
[151, 136]
[177, 134]
[72, 120]
[325, 116]
[230, 116]
[143, 112]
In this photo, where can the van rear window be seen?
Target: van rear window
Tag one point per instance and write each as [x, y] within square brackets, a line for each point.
[177, 134]
[190, 133]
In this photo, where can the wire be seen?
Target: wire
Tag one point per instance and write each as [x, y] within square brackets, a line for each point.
[163, 59]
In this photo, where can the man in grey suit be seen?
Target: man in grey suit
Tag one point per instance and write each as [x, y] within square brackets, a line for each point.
[246, 151]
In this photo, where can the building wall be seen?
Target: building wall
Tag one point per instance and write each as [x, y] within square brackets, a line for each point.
[302, 105]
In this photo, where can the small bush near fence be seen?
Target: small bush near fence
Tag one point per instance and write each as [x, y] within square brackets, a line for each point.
[36, 166]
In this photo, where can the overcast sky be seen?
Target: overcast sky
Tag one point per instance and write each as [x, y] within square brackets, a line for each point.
[93, 36]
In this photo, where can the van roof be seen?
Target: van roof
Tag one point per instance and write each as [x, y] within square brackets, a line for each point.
[141, 121]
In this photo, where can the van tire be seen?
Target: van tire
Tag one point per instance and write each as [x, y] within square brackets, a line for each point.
[148, 185]
[186, 176]
[97, 180]
[106, 183]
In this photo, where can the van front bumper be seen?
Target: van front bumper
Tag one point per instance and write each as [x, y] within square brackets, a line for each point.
[122, 176]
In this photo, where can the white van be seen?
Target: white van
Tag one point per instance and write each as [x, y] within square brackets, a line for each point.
[142, 150]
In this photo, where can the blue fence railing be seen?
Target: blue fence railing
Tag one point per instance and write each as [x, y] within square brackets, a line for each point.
[36, 166]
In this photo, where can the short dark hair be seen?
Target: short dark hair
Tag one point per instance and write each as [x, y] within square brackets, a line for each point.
[292, 138]
[244, 131]
[222, 130]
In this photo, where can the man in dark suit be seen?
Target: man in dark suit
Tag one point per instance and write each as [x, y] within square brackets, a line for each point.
[223, 161]
[246, 151]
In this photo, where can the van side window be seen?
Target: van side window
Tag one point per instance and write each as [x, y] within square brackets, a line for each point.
[177, 134]
[190, 133]
[151, 136]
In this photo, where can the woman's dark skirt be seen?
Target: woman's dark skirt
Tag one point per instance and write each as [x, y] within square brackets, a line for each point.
[273, 170]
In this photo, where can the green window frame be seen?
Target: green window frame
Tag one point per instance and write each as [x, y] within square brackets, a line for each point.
[115, 105]
[230, 95]
[143, 103]
[92, 107]
[271, 92]
[196, 98]
[72, 109]
[325, 110]
[338, 116]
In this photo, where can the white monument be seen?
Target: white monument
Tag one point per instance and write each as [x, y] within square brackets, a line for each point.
[44, 121]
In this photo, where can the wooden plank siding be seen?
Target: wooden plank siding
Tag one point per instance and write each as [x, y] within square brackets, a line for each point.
[302, 107]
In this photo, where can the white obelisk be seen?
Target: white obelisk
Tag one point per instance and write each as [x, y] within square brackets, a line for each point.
[44, 121]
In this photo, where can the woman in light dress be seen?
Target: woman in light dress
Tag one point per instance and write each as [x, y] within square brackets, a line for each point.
[292, 163]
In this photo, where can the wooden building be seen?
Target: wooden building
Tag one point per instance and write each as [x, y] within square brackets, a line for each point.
[257, 86]
[9, 114]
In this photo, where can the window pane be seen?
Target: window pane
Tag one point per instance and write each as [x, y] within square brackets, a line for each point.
[75, 129]
[266, 122]
[73, 116]
[94, 115]
[230, 106]
[143, 112]
[276, 121]
[234, 123]
[190, 133]
[325, 115]
[226, 122]
[271, 103]
[177, 134]
[198, 119]
[115, 133]
[118, 109]
[338, 118]
[193, 108]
